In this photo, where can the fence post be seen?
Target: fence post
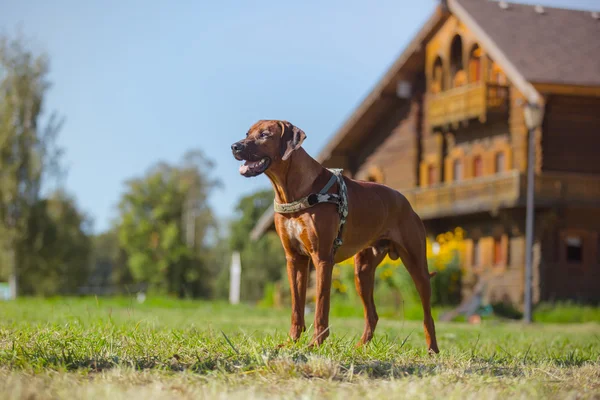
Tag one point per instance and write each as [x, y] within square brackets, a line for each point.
[235, 277]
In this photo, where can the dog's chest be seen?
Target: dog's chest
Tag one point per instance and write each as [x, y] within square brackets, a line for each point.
[297, 234]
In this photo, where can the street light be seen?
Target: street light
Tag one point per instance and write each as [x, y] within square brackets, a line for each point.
[534, 115]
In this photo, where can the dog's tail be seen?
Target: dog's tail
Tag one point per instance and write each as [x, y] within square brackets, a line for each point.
[432, 274]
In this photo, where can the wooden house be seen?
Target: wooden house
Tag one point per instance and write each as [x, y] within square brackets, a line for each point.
[445, 126]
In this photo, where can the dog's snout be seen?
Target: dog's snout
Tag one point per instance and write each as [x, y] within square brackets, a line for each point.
[237, 147]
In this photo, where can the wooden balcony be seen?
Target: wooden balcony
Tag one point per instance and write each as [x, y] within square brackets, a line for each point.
[473, 101]
[466, 197]
[507, 190]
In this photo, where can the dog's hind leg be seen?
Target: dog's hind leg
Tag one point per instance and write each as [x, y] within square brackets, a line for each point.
[413, 252]
[365, 264]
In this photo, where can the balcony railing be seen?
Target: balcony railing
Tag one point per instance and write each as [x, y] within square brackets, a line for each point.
[475, 100]
[491, 193]
[466, 197]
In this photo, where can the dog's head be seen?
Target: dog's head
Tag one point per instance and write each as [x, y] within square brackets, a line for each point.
[266, 143]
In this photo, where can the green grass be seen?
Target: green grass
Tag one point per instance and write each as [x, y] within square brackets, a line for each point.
[566, 313]
[117, 348]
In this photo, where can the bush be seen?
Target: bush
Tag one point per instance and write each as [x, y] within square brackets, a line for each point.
[567, 312]
[395, 291]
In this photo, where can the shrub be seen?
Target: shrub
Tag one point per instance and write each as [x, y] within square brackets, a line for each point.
[566, 312]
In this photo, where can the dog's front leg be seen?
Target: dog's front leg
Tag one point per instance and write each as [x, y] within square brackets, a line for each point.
[324, 269]
[298, 272]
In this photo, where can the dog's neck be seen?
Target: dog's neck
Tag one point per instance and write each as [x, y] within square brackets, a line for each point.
[290, 187]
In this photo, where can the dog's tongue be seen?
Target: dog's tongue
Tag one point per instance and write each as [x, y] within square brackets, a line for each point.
[247, 165]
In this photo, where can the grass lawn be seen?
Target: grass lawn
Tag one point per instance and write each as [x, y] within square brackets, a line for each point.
[119, 349]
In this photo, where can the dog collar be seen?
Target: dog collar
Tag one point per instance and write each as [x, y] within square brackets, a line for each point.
[341, 199]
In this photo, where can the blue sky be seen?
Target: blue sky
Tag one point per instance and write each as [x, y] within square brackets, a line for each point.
[143, 81]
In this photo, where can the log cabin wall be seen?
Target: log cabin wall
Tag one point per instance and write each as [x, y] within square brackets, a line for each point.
[571, 134]
[518, 131]
[391, 153]
[571, 256]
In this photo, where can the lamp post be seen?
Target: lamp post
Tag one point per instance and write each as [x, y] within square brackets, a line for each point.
[534, 114]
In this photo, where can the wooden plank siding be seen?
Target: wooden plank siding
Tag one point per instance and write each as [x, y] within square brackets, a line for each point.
[571, 134]
[563, 279]
[391, 154]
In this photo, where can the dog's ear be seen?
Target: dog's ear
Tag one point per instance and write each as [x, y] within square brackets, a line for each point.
[292, 138]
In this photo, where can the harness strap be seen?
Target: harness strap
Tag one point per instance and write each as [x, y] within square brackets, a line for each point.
[340, 199]
[329, 184]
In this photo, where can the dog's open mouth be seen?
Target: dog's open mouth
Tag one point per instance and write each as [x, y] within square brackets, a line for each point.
[253, 168]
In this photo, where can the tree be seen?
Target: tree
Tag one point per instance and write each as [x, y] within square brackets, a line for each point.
[164, 222]
[108, 263]
[263, 261]
[28, 154]
[54, 257]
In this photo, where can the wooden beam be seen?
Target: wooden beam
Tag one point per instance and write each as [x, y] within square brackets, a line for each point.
[569, 90]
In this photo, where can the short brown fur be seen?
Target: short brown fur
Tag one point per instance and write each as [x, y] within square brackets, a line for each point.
[380, 221]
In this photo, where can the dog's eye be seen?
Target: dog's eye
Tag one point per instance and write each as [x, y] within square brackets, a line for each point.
[264, 135]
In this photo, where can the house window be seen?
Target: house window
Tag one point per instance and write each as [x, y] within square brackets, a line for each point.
[459, 76]
[437, 83]
[431, 175]
[496, 74]
[500, 163]
[475, 64]
[574, 249]
[477, 166]
[457, 170]
[500, 249]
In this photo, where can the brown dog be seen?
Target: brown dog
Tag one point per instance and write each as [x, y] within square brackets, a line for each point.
[380, 221]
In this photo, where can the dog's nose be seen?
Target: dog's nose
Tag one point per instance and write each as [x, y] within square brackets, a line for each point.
[236, 147]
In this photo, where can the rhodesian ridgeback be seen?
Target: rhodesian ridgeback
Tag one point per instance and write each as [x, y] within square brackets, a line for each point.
[323, 217]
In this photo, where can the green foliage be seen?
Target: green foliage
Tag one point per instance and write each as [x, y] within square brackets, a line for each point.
[395, 291]
[27, 146]
[263, 261]
[164, 224]
[248, 211]
[43, 242]
[109, 261]
[566, 312]
[54, 258]
[505, 310]
[446, 284]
